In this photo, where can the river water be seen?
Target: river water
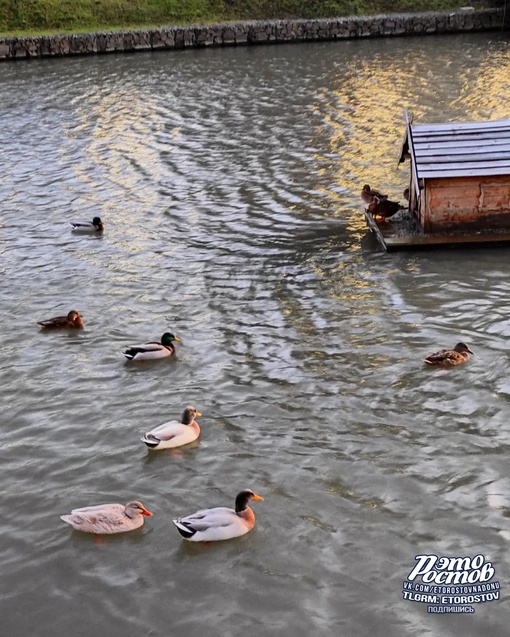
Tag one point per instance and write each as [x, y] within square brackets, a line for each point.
[228, 182]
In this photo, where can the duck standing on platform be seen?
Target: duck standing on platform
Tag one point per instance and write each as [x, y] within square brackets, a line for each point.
[447, 357]
[384, 208]
[368, 194]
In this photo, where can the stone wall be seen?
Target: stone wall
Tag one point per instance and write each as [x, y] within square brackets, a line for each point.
[264, 32]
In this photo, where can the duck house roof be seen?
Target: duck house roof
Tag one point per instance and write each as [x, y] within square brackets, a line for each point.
[458, 149]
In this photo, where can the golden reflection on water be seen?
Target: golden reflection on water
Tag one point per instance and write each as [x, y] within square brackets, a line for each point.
[111, 125]
[364, 112]
[486, 95]
[299, 344]
[118, 131]
[367, 126]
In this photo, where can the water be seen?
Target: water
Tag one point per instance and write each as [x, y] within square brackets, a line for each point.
[229, 182]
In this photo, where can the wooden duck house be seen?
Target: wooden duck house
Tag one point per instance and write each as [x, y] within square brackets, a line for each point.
[459, 185]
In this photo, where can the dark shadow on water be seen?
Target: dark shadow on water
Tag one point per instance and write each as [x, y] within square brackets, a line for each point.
[369, 243]
[171, 454]
[88, 236]
[188, 550]
[79, 538]
[67, 332]
[141, 366]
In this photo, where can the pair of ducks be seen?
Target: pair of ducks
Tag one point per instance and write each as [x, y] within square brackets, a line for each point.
[146, 351]
[378, 204]
[207, 525]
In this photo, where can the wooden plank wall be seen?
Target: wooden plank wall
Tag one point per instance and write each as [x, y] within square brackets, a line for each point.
[466, 203]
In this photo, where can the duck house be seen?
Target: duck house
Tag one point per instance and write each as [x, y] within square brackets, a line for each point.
[459, 185]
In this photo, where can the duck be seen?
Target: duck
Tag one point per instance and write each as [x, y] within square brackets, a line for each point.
[96, 225]
[173, 433]
[106, 519]
[384, 208]
[73, 320]
[447, 357]
[368, 194]
[220, 523]
[152, 350]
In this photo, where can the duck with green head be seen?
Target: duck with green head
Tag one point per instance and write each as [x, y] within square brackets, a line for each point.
[96, 225]
[152, 350]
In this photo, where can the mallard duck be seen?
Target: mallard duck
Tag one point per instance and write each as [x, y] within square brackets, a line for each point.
[107, 518]
[446, 357]
[384, 208]
[73, 320]
[174, 434]
[96, 225]
[368, 194]
[221, 523]
[152, 350]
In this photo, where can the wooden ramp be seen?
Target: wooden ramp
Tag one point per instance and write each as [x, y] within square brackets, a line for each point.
[402, 232]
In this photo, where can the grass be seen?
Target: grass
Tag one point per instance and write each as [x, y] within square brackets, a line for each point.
[53, 16]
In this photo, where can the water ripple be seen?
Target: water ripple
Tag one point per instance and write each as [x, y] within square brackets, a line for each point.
[229, 184]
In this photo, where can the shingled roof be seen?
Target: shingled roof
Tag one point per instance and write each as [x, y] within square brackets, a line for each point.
[459, 149]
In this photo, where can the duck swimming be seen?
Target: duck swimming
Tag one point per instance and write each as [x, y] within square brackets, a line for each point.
[220, 523]
[96, 225]
[106, 519]
[447, 357]
[152, 350]
[174, 434]
[368, 194]
[73, 320]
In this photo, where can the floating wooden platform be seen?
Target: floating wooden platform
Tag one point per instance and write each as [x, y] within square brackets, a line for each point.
[402, 232]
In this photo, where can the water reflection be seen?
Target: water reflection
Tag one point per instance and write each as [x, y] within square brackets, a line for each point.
[363, 107]
[481, 99]
[229, 185]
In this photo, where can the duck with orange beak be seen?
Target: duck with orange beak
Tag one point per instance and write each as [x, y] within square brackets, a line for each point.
[220, 523]
[106, 519]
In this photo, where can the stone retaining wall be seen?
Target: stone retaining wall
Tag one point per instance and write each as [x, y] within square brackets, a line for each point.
[264, 32]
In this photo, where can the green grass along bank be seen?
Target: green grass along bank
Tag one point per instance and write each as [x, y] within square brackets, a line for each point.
[253, 32]
[41, 17]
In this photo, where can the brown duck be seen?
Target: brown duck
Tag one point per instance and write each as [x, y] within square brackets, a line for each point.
[73, 320]
[384, 208]
[368, 194]
[447, 357]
